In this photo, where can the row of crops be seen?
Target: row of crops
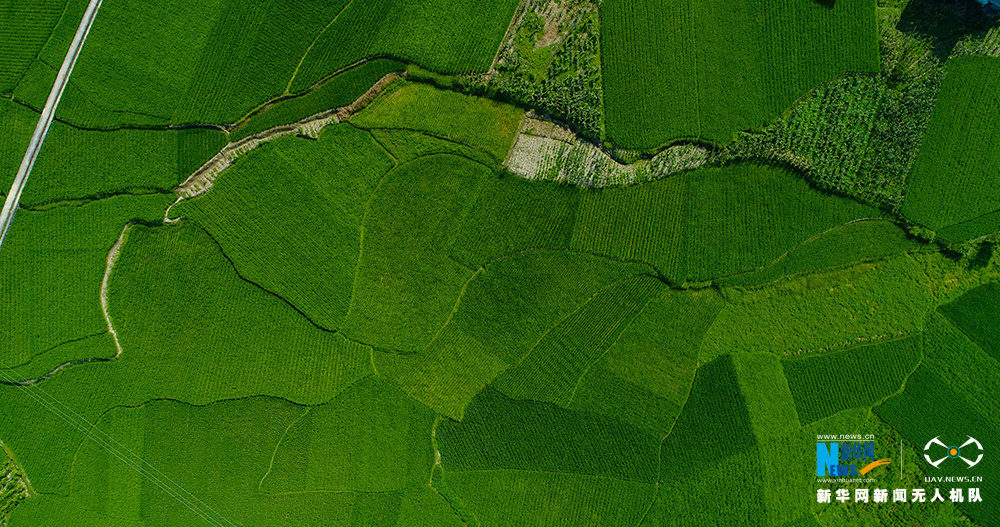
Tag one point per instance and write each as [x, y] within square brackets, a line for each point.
[678, 71]
[953, 177]
[467, 284]
[380, 327]
[24, 30]
[220, 60]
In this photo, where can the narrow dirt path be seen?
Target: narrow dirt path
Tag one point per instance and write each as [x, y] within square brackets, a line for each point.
[112, 258]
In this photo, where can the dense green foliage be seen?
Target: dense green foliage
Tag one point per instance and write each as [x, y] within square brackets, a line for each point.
[51, 272]
[474, 121]
[24, 29]
[339, 91]
[709, 223]
[12, 487]
[562, 78]
[708, 69]
[856, 135]
[958, 159]
[304, 200]
[881, 369]
[444, 36]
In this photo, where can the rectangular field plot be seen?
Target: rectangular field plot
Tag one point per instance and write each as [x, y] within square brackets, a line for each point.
[956, 175]
[705, 69]
[711, 222]
[883, 367]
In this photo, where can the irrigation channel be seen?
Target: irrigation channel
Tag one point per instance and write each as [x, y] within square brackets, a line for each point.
[48, 112]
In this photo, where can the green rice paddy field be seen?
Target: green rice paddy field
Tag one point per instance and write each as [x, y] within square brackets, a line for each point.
[378, 324]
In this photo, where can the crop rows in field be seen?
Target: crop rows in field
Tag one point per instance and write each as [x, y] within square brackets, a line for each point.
[474, 121]
[219, 60]
[514, 301]
[406, 285]
[553, 369]
[501, 314]
[963, 364]
[379, 451]
[78, 164]
[954, 177]
[24, 29]
[709, 223]
[51, 272]
[843, 245]
[436, 34]
[303, 200]
[512, 215]
[715, 422]
[16, 126]
[169, 305]
[248, 437]
[714, 436]
[929, 407]
[515, 498]
[975, 314]
[499, 433]
[643, 223]
[706, 70]
[88, 164]
[407, 145]
[250, 55]
[879, 369]
[340, 91]
[644, 377]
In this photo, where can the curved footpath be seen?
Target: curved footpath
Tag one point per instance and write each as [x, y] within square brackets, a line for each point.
[42, 129]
